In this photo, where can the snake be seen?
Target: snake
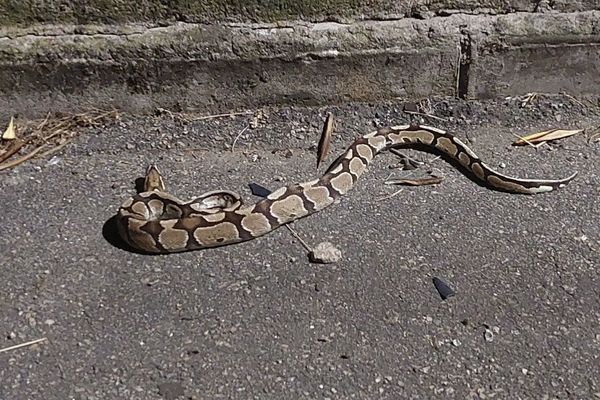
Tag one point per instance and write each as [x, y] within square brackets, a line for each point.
[155, 221]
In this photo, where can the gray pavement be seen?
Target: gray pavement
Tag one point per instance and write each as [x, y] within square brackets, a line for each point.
[257, 320]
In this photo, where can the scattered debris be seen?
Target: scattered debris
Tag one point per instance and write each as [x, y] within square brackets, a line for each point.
[423, 109]
[187, 118]
[544, 136]
[325, 253]
[231, 114]
[574, 100]
[490, 332]
[12, 148]
[18, 346]
[295, 234]
[10, 132]
[528, 99]
[389, 196]
[48, 136]
[256, 119]
[406, 163]
[259, 190]
[325, 140]
[443, 289]
[595, 137]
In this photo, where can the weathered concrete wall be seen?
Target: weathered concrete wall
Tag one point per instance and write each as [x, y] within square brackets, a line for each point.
[139, 66]
[27, 12]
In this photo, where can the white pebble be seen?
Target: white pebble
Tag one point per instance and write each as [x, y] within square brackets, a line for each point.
[325, 253]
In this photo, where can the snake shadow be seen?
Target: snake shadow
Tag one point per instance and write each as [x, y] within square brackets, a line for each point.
[110, 232]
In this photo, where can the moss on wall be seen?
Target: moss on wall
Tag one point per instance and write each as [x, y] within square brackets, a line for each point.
[27, 12]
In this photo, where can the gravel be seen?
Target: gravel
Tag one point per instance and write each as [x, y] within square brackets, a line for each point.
[257, 320]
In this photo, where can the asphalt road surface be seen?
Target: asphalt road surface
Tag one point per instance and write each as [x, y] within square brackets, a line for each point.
[257, 320]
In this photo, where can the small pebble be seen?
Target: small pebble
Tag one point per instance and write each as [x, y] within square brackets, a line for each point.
[325, 253]
[53, 161]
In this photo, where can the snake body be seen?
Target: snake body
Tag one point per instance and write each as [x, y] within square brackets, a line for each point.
[157, 222]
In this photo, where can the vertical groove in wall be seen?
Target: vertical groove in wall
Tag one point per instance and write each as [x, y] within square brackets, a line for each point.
[464, 66]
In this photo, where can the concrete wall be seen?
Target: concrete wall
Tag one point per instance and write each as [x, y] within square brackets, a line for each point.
[27, 12]
[222, 55]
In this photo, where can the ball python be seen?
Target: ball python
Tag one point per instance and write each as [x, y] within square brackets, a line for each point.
[155, 221]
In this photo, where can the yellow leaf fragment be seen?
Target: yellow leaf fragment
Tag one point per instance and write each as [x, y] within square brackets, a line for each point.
[552, 134]
[10, 132]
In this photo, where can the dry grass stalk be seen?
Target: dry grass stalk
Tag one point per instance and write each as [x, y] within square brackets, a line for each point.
[18, 346]
[50, 134]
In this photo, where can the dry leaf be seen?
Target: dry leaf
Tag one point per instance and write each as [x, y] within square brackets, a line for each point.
[544, 136]
[10, 132]
[325, 140]
[434, 180]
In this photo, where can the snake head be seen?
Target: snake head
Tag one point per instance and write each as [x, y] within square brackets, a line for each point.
[216, 201]
[153, 181]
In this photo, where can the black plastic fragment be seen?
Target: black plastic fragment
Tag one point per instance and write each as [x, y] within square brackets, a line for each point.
[443, 289]
[258, 190]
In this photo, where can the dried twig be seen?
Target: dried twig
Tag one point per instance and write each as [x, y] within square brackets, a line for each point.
[51, 131]
[14, 147]
[595, 137]
[20, 160]
[220, 115]
[574, 100]
[389, 196]
[238, 136]
[55, 149]
[18, 346]
[406, 160]
[426, 115]
[302, 242]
